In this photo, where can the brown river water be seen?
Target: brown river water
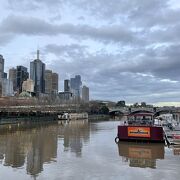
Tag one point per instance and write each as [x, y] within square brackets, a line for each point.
[82, 150]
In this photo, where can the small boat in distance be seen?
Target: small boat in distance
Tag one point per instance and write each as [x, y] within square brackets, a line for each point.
[140, 126]
[72, 116]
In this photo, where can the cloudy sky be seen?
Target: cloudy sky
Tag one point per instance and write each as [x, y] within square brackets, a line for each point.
[123, 49]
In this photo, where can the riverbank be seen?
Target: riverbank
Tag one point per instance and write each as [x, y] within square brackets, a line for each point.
[27, 119]
[98, 117]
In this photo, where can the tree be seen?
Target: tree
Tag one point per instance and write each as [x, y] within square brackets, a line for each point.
[104, 110]
[143, 104]
[121, 103]
[136, 104]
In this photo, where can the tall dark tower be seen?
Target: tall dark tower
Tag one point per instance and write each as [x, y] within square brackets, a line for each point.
[1, 66]
[67, 85]
[37, 74]
[21, 75]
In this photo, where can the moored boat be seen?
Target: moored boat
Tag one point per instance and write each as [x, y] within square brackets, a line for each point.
[140, 126]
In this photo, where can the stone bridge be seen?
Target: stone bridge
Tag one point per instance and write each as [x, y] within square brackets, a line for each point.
[156, 110]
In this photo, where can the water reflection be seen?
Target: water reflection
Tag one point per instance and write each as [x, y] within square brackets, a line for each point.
[141, 155]
[176, 150]
[35, 145]
[80, 149]
[75, 133]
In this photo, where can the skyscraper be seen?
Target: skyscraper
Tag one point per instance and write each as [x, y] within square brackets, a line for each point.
[12, 77]
[48, 81]
[28, 86]
[75, 84]
[1, 73]
[7, 87]
[51, 82]
[85, 94]
[55, 79]
[21, 75]
[1, 66]
[37, 74]
[66, 85]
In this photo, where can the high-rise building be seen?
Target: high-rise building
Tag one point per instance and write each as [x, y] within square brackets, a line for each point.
[55, 79]
[37, 74]
[51, 82]
[66, 85]
[12, 77]
[1, 74]
[1, 66]
[48, 81]
[7, 87]
[28, 86]
[85, 94]
[21, 75]
[5, 75]
[75, 84]
[65, 96]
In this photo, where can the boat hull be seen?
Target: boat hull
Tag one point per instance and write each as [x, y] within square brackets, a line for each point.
[140, 133]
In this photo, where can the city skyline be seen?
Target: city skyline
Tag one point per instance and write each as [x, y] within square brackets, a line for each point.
[38, 81]
[138, 62]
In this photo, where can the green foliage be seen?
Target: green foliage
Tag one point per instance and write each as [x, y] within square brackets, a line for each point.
[121, 103]
[104, 110]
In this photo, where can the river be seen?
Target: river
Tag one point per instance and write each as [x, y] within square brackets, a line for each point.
[82, 150]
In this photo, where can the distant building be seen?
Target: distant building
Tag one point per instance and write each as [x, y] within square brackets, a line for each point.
[67, 85]
[37, 74]
[12, 77]
[75, 84]
[65, 96]
[28, 86]
[1, 73]
[48, 81]
[55, 79]
[1, 66]
[1, 87]
[6, 88]
[51, 82]
[21, 75]
[5, 75]
[85, 94]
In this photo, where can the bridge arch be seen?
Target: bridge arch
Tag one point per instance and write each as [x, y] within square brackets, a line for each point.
[116, 112]
[141, 111]
[163, 111]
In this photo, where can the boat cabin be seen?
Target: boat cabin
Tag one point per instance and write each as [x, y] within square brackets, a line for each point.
[140, 118]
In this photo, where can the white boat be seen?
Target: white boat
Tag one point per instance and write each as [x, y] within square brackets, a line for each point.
[167, 121]
[73, 116]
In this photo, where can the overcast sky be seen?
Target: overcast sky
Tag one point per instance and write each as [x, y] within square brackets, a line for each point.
[123, 49]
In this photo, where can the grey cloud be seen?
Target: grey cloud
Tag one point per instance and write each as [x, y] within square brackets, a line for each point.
[69, 51]
[170, 34]
[33, 4]
[125, 79]
[136, 13]
[162, 62]
[5, 39]
[139, 39]
[27, 25]
[105, 83]
[34, 26]
[114, 8]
